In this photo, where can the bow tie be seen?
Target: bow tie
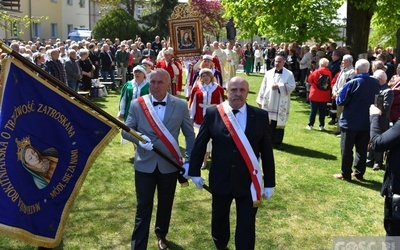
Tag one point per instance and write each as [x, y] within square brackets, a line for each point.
[278, 71]
[159, 103]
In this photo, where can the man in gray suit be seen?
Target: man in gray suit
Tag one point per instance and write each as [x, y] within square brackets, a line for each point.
[159, 117]
[73, 70]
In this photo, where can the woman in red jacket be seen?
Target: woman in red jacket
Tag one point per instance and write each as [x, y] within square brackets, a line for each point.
[320, 95]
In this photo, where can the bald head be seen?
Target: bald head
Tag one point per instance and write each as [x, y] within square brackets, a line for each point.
[381, 76]
[237, 91]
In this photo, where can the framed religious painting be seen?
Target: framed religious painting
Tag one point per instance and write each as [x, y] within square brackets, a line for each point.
[186, 36]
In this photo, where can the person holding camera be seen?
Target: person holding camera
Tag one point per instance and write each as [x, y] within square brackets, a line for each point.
[384, 102]
[356, 97]
[388, 141]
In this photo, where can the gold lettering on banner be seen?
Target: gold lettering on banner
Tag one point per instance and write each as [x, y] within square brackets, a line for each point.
[18, 111]
[68, 175]
[56, 115]
[5, 183]
[57, 190]
[6, 135]
[28, 209]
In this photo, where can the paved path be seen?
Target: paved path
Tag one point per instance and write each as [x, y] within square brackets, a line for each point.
[240, 69]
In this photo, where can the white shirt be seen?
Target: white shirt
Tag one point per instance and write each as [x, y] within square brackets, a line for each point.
[160, 109]
[241, 117]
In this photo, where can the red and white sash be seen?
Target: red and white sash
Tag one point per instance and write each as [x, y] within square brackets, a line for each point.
[159, 128]
[245, 149]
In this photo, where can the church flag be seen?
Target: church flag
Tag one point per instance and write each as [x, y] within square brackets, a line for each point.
[48, 141]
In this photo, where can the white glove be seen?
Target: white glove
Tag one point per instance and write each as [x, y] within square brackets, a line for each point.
[198, 181]
[186, 167]
[268, 192]
[146, 145]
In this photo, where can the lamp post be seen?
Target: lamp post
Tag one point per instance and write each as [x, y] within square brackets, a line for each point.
[344, 29]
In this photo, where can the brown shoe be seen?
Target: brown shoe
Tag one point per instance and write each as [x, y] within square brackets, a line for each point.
[341, 177]
[162, 244]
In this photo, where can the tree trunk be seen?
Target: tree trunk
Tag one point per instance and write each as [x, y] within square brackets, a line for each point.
[357, 28]
[302, 37]
[130, 7]
[217, 36]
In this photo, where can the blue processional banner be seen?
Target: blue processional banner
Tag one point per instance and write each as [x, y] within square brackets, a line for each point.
[48, 141]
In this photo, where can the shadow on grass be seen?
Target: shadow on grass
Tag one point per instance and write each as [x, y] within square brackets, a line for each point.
[173, 246]
[257, 75]
[371, 184]
[100, 102]
[299, 150]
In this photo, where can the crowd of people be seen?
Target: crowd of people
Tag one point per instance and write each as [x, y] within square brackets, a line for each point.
[79, 64]
[213, 127]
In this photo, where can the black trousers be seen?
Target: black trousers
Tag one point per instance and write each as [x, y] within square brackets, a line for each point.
[245, 221]
[360, 140]
[392, 226]
[303, 76]
[146, 185]
[276, 133]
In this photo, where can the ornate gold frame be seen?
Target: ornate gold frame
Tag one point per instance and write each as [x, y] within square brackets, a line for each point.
[177, 29]
[184, 20]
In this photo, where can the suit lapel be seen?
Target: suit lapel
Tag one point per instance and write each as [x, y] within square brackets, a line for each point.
[251, 122]
[169, 109]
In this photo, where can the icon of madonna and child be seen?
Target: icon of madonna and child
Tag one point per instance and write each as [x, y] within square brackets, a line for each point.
[40, 164]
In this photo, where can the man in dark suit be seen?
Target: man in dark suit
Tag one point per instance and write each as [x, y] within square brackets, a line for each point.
[230, 31]
[230, 125]
[107, 64]
[388, 141]
[148, 52]
[168, 116]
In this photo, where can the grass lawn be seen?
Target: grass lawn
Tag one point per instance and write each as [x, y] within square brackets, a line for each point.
[309, 207]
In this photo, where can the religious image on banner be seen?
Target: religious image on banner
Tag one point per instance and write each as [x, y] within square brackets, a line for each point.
[48, 141]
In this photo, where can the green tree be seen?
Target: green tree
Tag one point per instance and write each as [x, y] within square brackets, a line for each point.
[155, 16]
[285, 20]
[359, 15]
[116, 23]
[385, 24]
[156, 19]
[7, 20]
[129, 5]
[382, 34]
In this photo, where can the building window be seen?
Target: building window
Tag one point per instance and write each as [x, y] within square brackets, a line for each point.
[82, 3]
[139, 11]
[10, 5]
[54, 30]
[15, 29]
[69, 2]
[70, 27]
[36, 29]
[54, 1]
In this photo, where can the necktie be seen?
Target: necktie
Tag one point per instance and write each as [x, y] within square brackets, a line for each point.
[235, 111]
[159, 103]
[278, 71]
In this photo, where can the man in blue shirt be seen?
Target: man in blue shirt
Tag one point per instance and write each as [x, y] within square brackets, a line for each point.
[356, 97]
